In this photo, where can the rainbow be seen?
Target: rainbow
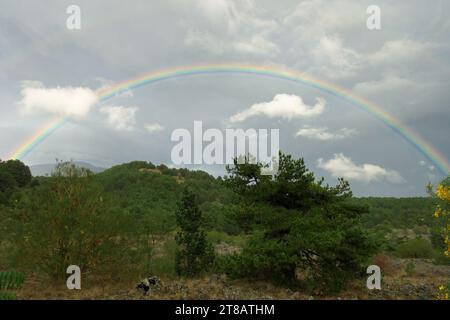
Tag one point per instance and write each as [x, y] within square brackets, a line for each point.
[418, 142]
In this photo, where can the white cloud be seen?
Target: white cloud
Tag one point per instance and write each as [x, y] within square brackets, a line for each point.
[342, 166]
[424, 164]
[120, 118]
[334, 59]
[154, 127]
[66, 101]
[323, 133]
[282, 106]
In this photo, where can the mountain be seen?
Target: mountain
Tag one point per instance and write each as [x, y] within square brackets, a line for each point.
[47, 168]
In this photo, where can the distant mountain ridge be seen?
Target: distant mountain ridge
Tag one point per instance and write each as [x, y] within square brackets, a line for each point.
[46, 169]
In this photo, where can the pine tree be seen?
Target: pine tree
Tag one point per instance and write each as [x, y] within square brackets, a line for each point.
[296, 224]
[194, 253]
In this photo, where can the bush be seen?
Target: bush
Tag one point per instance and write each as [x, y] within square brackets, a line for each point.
[440, 259]
[10, 280]
[410, 268]
[69, 220]
[415, 248]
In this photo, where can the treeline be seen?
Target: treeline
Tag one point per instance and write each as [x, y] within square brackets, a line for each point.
[138, 219]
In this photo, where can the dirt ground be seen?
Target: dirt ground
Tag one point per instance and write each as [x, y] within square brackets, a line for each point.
[421, 282]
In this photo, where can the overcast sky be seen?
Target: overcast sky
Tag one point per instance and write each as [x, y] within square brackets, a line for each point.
[48, 70]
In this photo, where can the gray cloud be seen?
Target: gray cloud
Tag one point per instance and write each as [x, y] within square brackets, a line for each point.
[404, 68]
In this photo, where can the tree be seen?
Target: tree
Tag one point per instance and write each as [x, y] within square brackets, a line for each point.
[18, 170]
[7, 186]
[194, 254]
[298, 226]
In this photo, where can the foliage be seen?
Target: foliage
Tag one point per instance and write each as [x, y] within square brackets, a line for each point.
[288, 228]
[18, 170]
[13, 174]
[409, 268]
[444, 292]
[10, 280]
[194, 254]
[387, 213]
[69, 220]
[415, 248]
[442, 213]
[300, 223]
[7, 187]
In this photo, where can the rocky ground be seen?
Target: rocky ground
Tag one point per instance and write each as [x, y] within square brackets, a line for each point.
[419, 282]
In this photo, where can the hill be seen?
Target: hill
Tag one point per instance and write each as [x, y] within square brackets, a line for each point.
[46, 169]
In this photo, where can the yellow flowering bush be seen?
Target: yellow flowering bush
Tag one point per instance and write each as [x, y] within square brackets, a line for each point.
[442, 212]
[443, 293]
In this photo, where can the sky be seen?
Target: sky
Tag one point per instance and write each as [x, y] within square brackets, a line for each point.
[49, 70]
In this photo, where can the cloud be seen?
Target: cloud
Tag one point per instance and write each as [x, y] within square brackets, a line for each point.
[65, 101]
[120, 118]
[316, 32]
[424, 164]
[342, 166]
[400, 50]
[324, 134]
[230, 26]
[282, 106]
[154, 127]
[388, 83]
[334, 59]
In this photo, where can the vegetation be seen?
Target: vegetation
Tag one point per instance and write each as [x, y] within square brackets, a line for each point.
[10, 280]
[68, 220]
[442, 213]
[415, 248]
[13, 174]
[139, 219]
[194, 254]
[297, 223]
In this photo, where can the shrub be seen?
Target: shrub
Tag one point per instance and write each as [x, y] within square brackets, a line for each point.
[10, 280]
[415, 248]
[410, 268]
[69, 220]
[440, 259]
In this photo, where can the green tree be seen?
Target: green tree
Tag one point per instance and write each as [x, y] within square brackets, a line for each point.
[194, 254]
[18, 170]
[298, 225]
[7, 186]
